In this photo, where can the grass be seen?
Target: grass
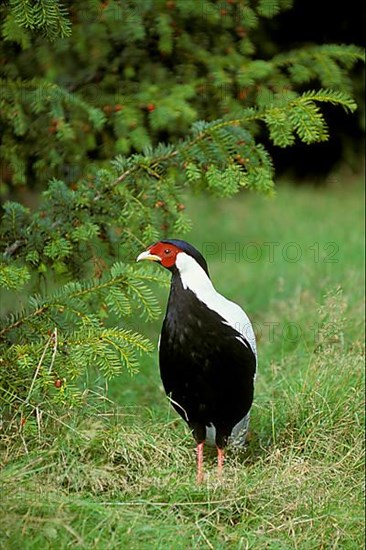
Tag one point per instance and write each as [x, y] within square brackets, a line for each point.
[123, 474]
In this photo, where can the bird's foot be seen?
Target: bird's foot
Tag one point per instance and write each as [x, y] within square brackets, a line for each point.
[200, 462]
[220, 462]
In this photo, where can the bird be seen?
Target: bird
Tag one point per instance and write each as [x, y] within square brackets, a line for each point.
[207, 352]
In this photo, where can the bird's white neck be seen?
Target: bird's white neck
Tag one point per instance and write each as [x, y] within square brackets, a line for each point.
[193, 277]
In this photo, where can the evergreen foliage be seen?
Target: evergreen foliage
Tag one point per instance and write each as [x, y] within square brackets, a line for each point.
[131, 81]
[133, 74]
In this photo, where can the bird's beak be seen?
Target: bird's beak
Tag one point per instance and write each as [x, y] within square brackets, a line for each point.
[147, 256]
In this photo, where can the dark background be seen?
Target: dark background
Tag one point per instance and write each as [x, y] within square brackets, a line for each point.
[322, 22]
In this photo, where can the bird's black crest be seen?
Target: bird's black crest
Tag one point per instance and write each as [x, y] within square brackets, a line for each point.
[190, 250]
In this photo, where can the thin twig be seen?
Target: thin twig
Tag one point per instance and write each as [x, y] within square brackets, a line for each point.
[23, 319]
[17, 398]
[38, 418]
[38, 369]
[54, 336]
[12, 248]
[204, 536]
[180, 406]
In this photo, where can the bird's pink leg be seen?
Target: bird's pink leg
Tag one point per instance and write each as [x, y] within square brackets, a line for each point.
[220, 461]
[200, 462]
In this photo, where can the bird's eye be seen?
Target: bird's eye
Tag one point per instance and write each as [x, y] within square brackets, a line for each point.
[166, 251]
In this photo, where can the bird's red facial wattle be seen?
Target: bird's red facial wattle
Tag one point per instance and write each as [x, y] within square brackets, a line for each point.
[161, 252]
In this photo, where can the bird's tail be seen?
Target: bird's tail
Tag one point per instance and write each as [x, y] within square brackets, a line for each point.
[239, 432]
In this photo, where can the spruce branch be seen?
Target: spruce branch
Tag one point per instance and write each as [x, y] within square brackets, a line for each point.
[272, 115]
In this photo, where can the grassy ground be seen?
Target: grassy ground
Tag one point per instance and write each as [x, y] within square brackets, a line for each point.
[124, 476]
